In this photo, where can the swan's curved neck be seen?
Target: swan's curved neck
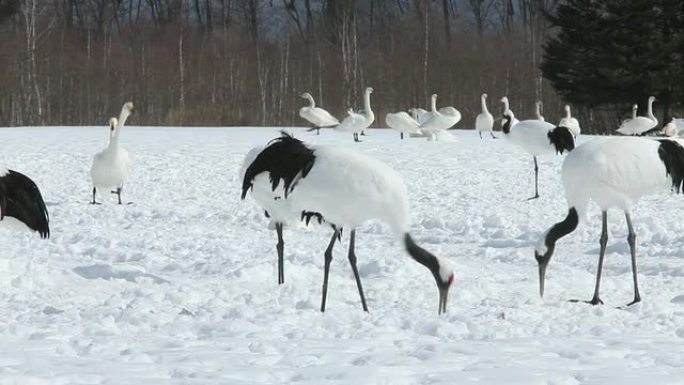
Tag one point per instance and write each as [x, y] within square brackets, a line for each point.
[433, 103]
[567, 112]
[125, 113]
[649, 113]
[538, 110]
[484, 105]
[312, 104]
[366, 103]
[505, 102]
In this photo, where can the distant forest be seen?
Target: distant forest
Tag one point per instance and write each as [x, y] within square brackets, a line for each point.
[245, 62]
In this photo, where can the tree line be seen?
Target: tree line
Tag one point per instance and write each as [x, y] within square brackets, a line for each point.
[245, 62]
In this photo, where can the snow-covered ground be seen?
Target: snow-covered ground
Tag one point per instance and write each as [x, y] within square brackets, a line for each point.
[180, 287]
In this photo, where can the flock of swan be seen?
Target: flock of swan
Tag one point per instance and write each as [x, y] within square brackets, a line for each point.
[296, 182]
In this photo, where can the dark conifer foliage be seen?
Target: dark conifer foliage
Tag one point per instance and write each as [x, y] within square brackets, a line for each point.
[614, 53]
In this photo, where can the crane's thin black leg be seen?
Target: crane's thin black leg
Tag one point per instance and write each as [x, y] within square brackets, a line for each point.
[596, 300]
[536, 180]
[118, 193]
[328, 259]
[352, 262]
[631, 239]
[280, 246]
[401, 134]
[356, 137]
[94, 202]
[492, 134]
[363, 132]
[480, 132]
[318, 130]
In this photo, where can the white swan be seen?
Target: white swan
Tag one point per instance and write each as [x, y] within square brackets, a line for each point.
[110, 166]
[316, 115]
[420, 115]
[484, 122]
[640, 124]
[441, 119]
[670, 129]
[570, 122]
[355, 122]
[402, 122]
[537, 111]
[514, 120]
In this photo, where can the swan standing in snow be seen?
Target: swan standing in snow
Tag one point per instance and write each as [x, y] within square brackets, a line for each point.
[484, 122]
[613, 172]
[640, 124]
[316, 115]
[347, 188]
[571, 123]
[537, 111]
[110, 166]
[442, 119]
[537, 138]
[20, 199]
[674, 127]
[402, 122]
[355, 122]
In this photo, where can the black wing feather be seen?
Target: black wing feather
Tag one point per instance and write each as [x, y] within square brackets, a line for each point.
[672, 155]
[562, 139]
[20, 198]
[283, 158]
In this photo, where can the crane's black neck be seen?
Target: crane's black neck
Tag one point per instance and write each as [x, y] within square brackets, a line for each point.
[424, 257]
[507, 124]
[558, 231]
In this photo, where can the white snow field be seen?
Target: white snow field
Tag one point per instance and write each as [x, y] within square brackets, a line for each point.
[180, 287]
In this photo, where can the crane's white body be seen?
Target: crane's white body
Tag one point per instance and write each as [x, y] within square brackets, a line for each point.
[639, 124]
[532, 136]
[613, 172]
[110, 167]
[355, 122]
[484, 122]
[403, 122]
[316, 115]
[571, 123]
[420, 115]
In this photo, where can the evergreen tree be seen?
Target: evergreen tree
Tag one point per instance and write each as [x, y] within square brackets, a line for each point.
[617, 52]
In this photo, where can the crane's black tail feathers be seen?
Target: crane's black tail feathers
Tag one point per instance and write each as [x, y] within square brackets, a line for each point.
[20, 198]
[562, 139]
[283, 158]
[672, 155]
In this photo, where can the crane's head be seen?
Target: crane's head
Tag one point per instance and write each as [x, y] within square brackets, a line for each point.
[484, 96]
[129, 106]
[305, 95]
[369, 90]
[567, 108]
[439, 267]
[543, 255]
[651, 99]
[504, 100]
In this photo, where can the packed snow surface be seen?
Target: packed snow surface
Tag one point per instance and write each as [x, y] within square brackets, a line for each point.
[180, 287]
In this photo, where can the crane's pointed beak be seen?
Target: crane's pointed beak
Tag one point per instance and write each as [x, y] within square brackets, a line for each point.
[443, 295]
[542, 275]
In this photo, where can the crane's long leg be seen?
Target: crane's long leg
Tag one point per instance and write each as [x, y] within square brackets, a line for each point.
[603, 241]
[480, 132]
[118, 193]
[352, 262]
[631, 239]
[280, 246]
[328, 259]
[401, 134]
[492, 134]
[94, 202]
[536, 180]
